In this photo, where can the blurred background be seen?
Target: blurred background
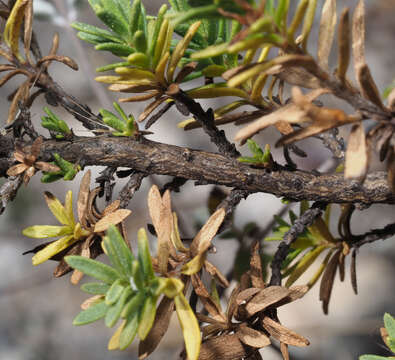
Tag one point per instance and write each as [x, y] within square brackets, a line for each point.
[36, 311]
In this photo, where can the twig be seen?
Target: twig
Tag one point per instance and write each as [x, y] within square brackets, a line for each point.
[374, 235]
[229, 204]
[155, 158]
[206, 119]
[9, 190]
[292, 234]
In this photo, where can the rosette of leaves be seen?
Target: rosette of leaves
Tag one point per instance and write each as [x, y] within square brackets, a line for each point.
[129, 291]
[76, 237]
[315, 241]
[19, 21]
[123, 124]
[67, 170]
[260, 158]
[250, 319]
[55, 125]
[388, 335]
[28, 164]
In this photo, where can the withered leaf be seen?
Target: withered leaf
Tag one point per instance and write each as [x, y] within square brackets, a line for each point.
[202, 240]
[344, 41]
[383, 143]
[17, 169]
[252, 337]
[368, 86]
[111, 207]
[158, 330]
[342, 266]
[213, 271]
[326, 32]
[256, 273]
[356, 163]
[297, 76]
[284, 351]
[295, 293]
[353, 271]
[224, 347]
[83, 195]
[246, 295]
[27, 37]
[78, 275]
[283, 334]
[358, 35]
[265, 298]
[391, 169]
[327, 281]
[20, 96]
[150, 108]
[91, 301]
[112, 219]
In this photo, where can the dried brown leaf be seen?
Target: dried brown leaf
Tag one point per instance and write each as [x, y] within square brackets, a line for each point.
[245, 295]
[391, 169]
[357, 159]
[344, 45]
[266, 297]
[27, 37]
[368, 86]
[20, 96]
[391, 100]
[202, 240]
[327, 281]
[111, 219]
[256, 272]
[111, 207]
[17, 169]
[353, 271]
[289, 113]
[284, 351]
[78, 275]
[150, 108]
[384, 140]
[342, 266]
[283, 334]
[224, 347]
[297, 76]
[326, 32]
[252, 337]
[59, 58]
[138, 98]
[83, 195]
[295, 293]
[213, 271]
[358, 35]
[158, 330]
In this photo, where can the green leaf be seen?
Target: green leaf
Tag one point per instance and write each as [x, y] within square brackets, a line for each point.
[389, 323]
[373, 357]
[115, 310]
[134, 304]
[254, 148]
[117, 49]
[93, 268]
[111, 66]
[95, 288]
[135, 16]
[147, 316]
[129, 331]
[93, 30]
[144, 255]
[122, 251]
[115, 22]
[91, 39]
[92, 314]
[114, 292]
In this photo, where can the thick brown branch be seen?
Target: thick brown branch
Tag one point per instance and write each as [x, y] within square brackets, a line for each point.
[211, 168]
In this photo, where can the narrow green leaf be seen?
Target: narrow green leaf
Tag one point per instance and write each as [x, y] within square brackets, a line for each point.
[147, 317]
[116, 49]
[115, 310]
[114, 292]
[93, 30]
[133, 305]
[92, 314]
[144, 255]
[93, 268]
[95, 288]
[129, 331]
[46, 231]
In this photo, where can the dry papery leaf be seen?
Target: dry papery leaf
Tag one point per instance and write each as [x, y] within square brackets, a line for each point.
[357, 155]
[296, 76]
[113, 218]
[391, 169]
[256, 267]
[265, 298]
[83, 196]
[162, 219]
[281, 333]
[214, 272]
[252, 337]
[328, 280]
[158, 330]
[344, 45]
[224, 347]
[284, 351]
[353, 271]
[290, 113]
[326, 32]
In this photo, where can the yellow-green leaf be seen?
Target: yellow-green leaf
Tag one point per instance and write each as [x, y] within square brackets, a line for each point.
[216, 90]
[46, 231]
[68, 206]
[147, 317]
[189, 325]
[57, 208]
[193, 266]
[52, 249]
[113, 344]
[211, 51]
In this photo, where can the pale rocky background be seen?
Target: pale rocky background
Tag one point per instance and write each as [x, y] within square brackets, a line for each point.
[36, 311]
